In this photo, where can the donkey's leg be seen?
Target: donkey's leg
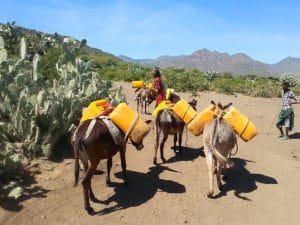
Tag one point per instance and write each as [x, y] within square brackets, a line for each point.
[145, 106]
[162, 144]
[83, 161]
[108, 166]
[86, 183]
[218, 174]
[123, 164]
[180, 138]
[91, 193]
[158, 132]
[174, 142]
[211, 170]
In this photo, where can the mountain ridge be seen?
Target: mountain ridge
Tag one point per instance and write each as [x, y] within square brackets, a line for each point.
[222, 62]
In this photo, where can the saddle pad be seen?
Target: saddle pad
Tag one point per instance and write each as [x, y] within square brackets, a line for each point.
[163, 105]
[115, 132]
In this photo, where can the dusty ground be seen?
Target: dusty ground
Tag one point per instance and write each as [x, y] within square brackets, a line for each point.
[262, 188]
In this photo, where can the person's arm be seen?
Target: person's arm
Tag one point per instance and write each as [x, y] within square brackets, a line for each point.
[293, 97]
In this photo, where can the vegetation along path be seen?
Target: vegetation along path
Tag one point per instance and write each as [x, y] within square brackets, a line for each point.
[262, 187]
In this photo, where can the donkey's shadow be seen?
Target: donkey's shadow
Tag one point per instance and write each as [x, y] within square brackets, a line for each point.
[240, 180]
[142, 187]
[188, 154]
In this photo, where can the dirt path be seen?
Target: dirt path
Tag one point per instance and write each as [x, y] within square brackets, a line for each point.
[262, 188]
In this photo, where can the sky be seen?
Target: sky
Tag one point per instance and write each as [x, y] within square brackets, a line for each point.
[266, 30]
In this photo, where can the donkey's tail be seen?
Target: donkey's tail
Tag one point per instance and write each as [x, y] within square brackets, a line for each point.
[213, 142]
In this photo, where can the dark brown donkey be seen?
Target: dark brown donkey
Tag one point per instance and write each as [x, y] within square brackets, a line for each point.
[92, 142]
[168, 123]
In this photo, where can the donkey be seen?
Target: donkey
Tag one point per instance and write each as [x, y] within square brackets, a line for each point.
[145, 97]
[218, 141]
[93, 141]
[168, 123]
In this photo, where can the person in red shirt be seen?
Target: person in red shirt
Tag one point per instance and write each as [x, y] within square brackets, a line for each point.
[159, 87]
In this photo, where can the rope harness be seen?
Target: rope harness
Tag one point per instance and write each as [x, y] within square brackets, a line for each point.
[132, 126]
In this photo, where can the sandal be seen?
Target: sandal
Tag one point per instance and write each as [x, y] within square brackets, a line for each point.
[285, 138]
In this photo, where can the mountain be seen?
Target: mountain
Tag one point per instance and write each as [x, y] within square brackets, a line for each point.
[288, 65]
[222, 62]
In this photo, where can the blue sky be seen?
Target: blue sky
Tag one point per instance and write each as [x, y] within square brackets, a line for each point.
[265, 30]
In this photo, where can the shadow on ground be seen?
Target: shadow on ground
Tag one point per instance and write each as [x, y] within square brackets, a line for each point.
[241, 181]
[27, 182]
[141, 188]
[188, 154]
[295, 135]
[63, 150]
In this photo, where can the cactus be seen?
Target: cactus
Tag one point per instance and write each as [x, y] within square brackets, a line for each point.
[290, 79]
[35, 113]
[3, 52]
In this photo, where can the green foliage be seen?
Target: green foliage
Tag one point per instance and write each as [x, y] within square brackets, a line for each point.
[185, 80]
[37, 110]
[46, 65]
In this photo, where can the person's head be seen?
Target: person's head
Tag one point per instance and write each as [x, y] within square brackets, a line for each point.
[285, 85]
[156, 73]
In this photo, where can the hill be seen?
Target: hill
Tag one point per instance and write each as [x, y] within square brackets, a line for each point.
[239, 63]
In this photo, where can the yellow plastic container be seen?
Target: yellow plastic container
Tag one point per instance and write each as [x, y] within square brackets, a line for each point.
[196, 126]
[94, 109]
[161, 106]
[138, 84]
[184, 111]
[169, 92]
[150, 86]
[241, 124]
[123, 116]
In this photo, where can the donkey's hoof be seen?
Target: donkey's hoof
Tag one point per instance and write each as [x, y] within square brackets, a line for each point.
[90, 211]
[221, 187]
[154, 161]
[93, 198]
[209, 195]
[108, 183]
[163, 160]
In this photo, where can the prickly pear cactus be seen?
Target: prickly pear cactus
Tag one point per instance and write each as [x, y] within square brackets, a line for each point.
[35, 113]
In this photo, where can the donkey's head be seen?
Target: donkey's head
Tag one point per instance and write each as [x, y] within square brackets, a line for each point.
[220, 109]
[138, 146]
[193, 104]
[174, 98]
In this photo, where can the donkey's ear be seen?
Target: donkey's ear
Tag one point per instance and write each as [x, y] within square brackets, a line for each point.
[227, 106]
[212, 102]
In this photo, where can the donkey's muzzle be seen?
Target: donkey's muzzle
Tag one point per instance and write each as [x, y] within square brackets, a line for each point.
[139, 146]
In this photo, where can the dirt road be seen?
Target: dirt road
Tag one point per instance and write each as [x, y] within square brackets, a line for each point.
[262, 188]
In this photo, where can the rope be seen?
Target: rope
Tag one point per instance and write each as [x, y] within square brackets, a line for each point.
[276, 115]
[236, 150]
[186, 112]
[240, 134]
[132, 126]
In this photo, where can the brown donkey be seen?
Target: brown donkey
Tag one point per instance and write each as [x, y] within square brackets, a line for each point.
[144, 98]
[92, 141]
[168, 123]
[218, 140]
